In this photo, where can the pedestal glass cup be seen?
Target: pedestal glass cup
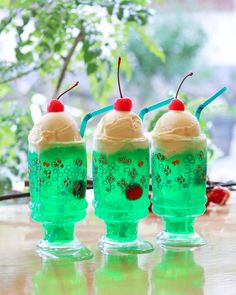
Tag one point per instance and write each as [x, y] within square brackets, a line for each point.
[57, 178]
[179, 183]
[121, 185]
[121, 175]
[179, 164]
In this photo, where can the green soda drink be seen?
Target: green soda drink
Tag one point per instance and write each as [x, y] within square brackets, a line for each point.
[176, 178]
[58, 178]
[178, 175]
[179, 189]
[121, 180]
[121, 184]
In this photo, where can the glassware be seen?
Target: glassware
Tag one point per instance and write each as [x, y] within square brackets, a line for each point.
[58, 179]
[179, 165]
[121, 185]
[121, 177]
[179, 189]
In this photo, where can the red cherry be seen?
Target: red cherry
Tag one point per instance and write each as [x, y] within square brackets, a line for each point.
[133, 192]
[176, 105]
[219, 195]
[123, 104]
[55, 106]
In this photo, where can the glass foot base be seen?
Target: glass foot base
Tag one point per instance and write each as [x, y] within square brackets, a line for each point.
[180, 240]
[73, 250]
[138, 246]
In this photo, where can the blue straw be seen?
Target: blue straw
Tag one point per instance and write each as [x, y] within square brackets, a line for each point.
[153, 107]
[88, 116]
[207, 101]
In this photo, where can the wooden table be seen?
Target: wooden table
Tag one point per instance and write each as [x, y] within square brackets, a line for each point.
[207, 270]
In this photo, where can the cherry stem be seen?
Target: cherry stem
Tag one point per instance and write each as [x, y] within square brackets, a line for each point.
[118, 76]
[68, 90]
[189, 75]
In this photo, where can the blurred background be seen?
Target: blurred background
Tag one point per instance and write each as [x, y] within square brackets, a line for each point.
[46, 46]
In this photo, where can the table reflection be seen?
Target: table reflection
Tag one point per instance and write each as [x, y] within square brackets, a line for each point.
[121, 275]
[59, 277]
[177, 274]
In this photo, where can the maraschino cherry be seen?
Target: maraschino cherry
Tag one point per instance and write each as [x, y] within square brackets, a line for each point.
[177, 104]
[218, 195]
[122, 104]
[55, 105]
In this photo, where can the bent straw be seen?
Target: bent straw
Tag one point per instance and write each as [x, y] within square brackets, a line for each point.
[88, 116]
[153, 107]
[209, 100]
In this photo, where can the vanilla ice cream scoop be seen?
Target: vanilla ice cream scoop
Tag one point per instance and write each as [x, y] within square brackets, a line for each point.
[58, 127]
[119, 130]
[178, 123]
[176, 132]
[54, 127]
[117, 125]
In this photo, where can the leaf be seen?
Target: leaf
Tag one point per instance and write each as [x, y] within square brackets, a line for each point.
[91, 54]
[57, 47]
[110, 9]
[143, 16]
[19, 30]
[25, 18]
[43, 45]
[19, 54]
[91, 68]
[120, 13]
[151, 45]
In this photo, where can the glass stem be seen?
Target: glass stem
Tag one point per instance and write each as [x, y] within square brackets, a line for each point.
[122, 231]
[58, 233]
[179, 225]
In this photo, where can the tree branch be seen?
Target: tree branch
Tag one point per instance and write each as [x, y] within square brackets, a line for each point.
[67, 60]
[19, 75]
[63, 70]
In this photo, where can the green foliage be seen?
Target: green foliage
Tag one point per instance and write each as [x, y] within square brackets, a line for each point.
[15, 125]
[179, 39]
[57, 35]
